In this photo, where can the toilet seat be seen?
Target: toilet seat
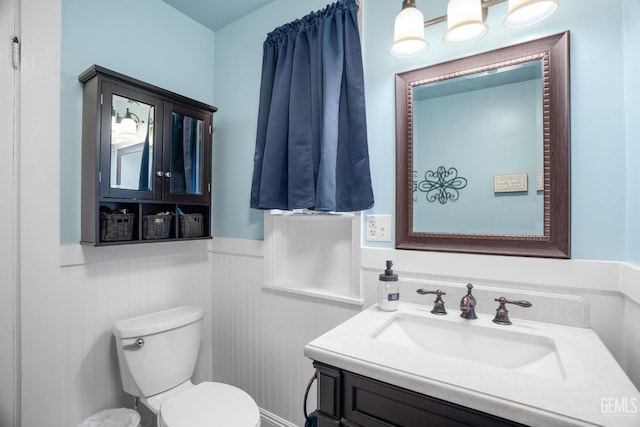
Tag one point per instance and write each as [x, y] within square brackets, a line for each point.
[210, 404]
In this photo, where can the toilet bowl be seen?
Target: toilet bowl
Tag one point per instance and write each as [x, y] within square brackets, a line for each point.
[157, 353]
[210, 404]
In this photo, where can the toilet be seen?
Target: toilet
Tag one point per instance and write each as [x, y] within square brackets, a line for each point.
[157, 354]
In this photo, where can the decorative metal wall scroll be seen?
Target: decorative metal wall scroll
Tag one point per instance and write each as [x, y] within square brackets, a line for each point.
[442, 185]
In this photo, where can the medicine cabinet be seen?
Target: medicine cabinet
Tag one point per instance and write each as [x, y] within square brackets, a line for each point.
[146, 162]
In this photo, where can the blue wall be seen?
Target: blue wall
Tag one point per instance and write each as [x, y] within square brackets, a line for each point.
[632, 109]
[144, 39]
[597, 95]
[605, 178]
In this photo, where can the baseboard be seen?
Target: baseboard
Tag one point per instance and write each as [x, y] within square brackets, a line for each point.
[271, 420]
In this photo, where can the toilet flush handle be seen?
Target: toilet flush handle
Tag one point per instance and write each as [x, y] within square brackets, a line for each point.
[137, 345]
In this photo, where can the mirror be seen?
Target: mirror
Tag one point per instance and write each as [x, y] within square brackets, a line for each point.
[131, 144]
[482, 153]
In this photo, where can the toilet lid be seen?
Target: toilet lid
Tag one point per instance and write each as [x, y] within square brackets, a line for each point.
[210, 404]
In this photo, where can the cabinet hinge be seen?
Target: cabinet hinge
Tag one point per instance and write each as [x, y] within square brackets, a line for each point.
[101, 99]
[209, 187]
[15, 53]
[209, 129]
[99, 176]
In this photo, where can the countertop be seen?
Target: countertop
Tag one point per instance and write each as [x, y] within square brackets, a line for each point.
[595, 390]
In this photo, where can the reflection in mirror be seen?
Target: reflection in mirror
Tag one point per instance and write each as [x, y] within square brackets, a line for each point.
[186, 154]
[128, 169]
[131, 144]
[483, 143]
[482, 152]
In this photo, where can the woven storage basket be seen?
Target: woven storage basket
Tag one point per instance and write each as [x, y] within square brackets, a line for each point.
[116, 226]
[191, 225]
[156, 226]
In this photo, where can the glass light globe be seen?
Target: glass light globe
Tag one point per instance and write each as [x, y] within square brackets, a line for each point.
[408, 34]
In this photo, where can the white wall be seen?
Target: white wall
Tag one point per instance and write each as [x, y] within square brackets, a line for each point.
[631, 340]
[40, 285]
[8, 285]
[630, 336]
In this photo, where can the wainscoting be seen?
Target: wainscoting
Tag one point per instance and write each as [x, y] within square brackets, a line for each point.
[113, 285]
[254, 337]
[259, 335]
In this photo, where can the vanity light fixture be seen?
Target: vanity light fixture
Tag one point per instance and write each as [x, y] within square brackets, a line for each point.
[528, 12]
[408, 32]
[465, 22]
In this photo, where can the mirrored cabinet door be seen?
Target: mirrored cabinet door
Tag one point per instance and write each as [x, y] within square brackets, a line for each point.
[131, 144]
[189, 131]
[127, 161]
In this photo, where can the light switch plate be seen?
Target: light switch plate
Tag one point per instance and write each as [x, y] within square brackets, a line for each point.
[510, 183]
[378, 228]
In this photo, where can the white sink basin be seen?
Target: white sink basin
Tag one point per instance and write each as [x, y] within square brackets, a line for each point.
[534, 373]
[497, 346]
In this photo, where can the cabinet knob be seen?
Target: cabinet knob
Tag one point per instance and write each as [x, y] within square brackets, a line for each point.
[167, 174]
[159, 174]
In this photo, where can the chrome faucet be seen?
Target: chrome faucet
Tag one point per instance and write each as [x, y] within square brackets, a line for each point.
[468, 305]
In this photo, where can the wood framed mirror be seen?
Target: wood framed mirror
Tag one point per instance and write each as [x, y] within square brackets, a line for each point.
[483, 153]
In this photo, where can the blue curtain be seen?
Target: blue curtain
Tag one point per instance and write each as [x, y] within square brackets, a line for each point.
[185, 154]
[311, 143]
[178, 184]
[145, 172]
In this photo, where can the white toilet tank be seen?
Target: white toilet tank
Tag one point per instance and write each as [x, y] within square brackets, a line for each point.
[158, 351]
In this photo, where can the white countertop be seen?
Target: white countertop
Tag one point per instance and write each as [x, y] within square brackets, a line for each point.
[595, 391]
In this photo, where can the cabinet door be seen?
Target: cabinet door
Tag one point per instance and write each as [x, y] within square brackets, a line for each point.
[186, 154]
[128, 142]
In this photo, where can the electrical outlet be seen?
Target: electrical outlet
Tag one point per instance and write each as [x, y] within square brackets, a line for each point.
[378, 228]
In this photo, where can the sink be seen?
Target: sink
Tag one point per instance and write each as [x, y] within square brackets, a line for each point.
[492, 345]
[531, 372]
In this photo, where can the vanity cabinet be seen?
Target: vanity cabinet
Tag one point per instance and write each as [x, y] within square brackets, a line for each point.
[146, 162]
[350, 400]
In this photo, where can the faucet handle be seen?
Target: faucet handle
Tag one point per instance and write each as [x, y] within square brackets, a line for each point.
[438, 304]
[502, 314]
[426, 292]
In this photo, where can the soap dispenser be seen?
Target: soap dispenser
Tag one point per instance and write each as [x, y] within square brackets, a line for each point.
[388, 289]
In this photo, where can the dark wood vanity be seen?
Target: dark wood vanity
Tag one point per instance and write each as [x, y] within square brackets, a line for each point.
[348, 399]
[146, 162]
